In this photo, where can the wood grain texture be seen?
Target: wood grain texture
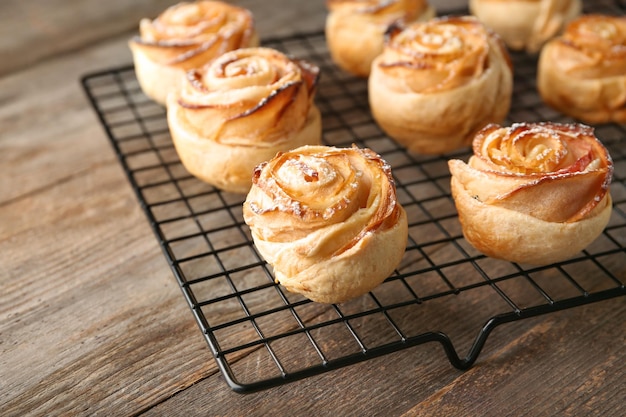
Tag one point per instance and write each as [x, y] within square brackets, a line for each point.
[540, 367]
[40, 29]
[89, 310]
[43, 28]
[90, 302]
[92, 321]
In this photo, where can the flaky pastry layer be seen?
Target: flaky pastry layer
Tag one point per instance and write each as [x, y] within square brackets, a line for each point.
[526, 24]
[437, 83]
[327, 220]
[355, 30]
[533, 193]
[229, 167]
[186, 36]
[240, 110]
[583, 72]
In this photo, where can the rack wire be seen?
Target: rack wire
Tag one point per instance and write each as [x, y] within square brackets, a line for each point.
[444, 290]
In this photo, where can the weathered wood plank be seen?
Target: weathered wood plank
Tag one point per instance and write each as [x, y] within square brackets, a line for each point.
[557, 367]
[50, 132]
[93, 323]
[43, 28]
[570, 363]
[40, 29]
[90, 316]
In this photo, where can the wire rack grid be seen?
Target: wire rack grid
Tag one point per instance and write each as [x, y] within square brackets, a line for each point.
[444, 290]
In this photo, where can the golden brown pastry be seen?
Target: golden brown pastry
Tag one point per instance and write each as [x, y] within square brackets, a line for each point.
[438, 82]
[327, 220]
[187, 36]
[355, 29]
[240, 110]
[526, 24]
[583, 72]
[533, 193]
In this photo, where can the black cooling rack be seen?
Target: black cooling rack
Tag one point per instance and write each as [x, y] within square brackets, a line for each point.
[444, 290]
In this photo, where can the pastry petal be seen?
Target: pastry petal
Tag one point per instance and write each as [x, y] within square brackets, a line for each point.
[583, 72]
[355, 29]
[191, 32]
[316, 211]
[526, 25]
[240, 110]
[249, 96]
[184, 37]
[533, 183]
[438, 82]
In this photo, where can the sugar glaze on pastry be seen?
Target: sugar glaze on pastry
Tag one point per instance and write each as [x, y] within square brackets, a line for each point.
[583, 72]
[355, 29]
[533, 193]
[438, 82]
[186, 36]
[526, 24]
[327, 220]
[239, 111]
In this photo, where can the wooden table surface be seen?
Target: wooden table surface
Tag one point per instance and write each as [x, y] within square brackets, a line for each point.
[92, 321]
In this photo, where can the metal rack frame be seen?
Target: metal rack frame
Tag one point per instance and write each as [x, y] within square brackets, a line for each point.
[201, 230]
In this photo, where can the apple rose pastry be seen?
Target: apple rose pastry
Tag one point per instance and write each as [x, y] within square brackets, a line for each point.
[533, 193]
[583, 72]
[187, 36]
[327, 220]
[355, 29]
[526, 24]
[239, 111]
[437, 83]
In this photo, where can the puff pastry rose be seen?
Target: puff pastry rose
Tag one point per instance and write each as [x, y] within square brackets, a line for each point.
[187, 36]
[327, 220]
[438, 82]
[526, 24]
[240, 110]
[583, 72]
[355, 29]
[533, 193]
